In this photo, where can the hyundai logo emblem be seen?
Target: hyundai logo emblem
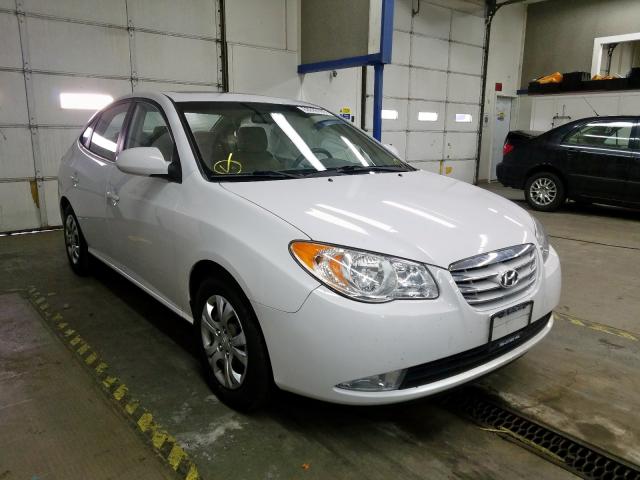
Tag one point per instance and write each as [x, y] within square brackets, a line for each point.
[509, 279]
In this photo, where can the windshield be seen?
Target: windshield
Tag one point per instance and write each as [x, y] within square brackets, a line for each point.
[254, 141]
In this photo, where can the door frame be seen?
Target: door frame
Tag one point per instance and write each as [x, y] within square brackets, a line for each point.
[493, 114]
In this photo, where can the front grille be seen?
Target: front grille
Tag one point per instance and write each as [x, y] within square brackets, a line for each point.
[478, 277]
[470, 359]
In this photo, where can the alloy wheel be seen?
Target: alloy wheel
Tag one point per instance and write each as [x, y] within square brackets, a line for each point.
[72, 239]
[543, 191]
[224, 342]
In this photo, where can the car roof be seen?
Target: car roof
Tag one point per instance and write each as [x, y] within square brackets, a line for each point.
[209, 96]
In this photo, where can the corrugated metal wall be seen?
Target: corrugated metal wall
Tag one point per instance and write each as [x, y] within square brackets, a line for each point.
[93, 46]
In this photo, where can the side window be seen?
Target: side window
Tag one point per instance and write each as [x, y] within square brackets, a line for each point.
[149, 129]
[613, 134]
[104, 140]
[86, 135]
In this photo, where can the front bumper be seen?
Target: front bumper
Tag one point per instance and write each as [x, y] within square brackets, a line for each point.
[332, 339]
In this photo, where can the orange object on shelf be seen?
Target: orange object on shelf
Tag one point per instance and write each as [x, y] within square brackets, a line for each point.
[553, 78]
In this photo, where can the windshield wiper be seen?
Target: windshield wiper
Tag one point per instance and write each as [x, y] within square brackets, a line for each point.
[257, 175]
[355, 169]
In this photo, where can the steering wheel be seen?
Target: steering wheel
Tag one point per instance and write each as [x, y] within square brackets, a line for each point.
[301, 157]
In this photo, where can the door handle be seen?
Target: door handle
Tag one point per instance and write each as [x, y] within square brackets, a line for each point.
[113, 198]
[74, 179]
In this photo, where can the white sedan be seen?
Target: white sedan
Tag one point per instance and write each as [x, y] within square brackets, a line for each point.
[306, 255]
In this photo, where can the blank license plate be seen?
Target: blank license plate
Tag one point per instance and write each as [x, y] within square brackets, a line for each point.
[510, 320]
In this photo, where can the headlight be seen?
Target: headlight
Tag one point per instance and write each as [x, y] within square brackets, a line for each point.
[363, 275]
[543, 239]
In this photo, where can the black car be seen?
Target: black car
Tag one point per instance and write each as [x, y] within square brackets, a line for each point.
[589, 160]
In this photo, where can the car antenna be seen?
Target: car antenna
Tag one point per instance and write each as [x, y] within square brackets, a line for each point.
[594, 110]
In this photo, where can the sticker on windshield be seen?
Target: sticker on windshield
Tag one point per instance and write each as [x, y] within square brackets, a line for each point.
[313, 111]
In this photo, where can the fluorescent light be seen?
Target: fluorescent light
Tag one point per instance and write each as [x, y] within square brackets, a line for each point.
[355, 151]
[427, 116]
[84, 101]
[389, 114]
[464, 118]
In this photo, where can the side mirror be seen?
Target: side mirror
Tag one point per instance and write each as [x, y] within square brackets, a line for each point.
[142, 161]
[392, 149]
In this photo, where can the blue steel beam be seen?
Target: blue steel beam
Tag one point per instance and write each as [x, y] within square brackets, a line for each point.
[377, 60]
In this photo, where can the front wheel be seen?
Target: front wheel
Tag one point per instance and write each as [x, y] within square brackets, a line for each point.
[544, 191]
[231, 346]
[75, 244]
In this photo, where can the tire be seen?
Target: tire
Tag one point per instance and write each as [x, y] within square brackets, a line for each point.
[75, 243]
[544, 191]
[249, 383]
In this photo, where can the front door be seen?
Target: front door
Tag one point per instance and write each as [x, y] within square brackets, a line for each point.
[140, 209]
[599, 156]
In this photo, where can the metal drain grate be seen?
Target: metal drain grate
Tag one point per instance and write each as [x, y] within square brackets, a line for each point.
[584, 460]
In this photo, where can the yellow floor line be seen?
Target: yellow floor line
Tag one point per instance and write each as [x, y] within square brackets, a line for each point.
[161, 441]
[599, 327]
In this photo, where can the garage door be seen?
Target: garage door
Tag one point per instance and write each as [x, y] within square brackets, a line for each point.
[94, 47]
[432, 89]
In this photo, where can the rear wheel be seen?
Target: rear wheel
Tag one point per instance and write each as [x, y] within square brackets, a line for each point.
[75, 244]
[231, 346]
[544, 191]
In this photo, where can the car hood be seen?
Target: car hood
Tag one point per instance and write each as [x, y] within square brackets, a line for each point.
[417, 215]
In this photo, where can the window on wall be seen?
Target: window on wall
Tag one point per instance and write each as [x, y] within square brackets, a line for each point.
[104, 140]
[602, 134]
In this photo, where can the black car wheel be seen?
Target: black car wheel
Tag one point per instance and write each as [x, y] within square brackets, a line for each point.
[544, 191]
[75, 244]
[231, 346]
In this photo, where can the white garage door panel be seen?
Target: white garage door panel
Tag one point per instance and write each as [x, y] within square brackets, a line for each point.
[429, 52]
[17, 208]
[400, 106]
[401, 47]
[95, 50]
[455, 108]
[10, 54]
[268, 27]
[433, 167]
[398, 140]
[424, 146]
[161, 57]
[461, 145]
[464, 88]
[51, 202]
[466, 59]
[416, 106]
[467, 28]
[171, 16]
[16, 157]
[147, 86]
[461, 170]
[112, 11]
[47, 89]
[402, 15]
[277, 69]
[428, 84]
[13, 99]
[56, 142]
[396, 80]
[432, 20]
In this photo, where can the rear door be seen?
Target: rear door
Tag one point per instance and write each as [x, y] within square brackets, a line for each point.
[90, 171]
[599, 155]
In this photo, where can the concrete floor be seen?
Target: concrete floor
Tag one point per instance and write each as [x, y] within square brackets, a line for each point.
[582, 379]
